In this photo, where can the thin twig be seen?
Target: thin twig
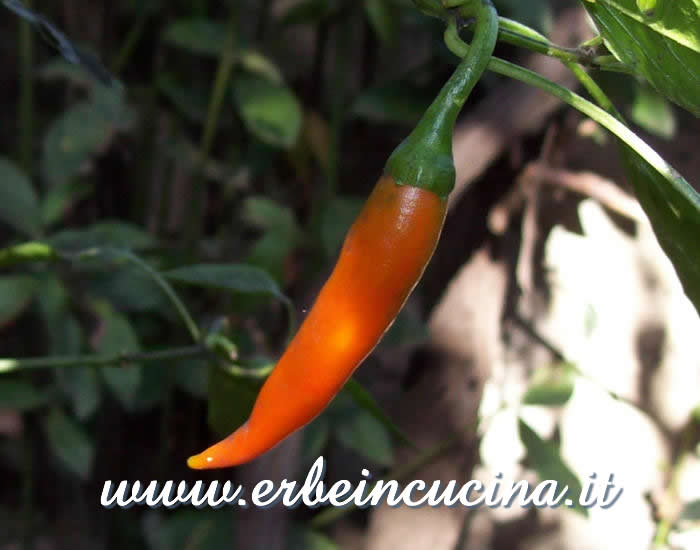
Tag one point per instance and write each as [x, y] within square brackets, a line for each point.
[97, 360]
[520, 35]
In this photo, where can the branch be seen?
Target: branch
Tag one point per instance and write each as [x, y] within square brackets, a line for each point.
[112, 360]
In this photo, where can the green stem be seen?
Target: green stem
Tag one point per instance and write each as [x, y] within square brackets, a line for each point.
[25, 253]
[595, 91]
[37, 251]
[216, 101]
[130, 42]
[424, 158]
[26, 102]
[522, 36]
[169, 292]
[505, 68]
[111, 360]
[338, 105]
[593, 42]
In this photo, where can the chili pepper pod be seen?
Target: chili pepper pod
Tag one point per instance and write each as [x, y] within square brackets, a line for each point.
[382, 259]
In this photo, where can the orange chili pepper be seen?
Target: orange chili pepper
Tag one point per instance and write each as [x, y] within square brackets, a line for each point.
[382, 259]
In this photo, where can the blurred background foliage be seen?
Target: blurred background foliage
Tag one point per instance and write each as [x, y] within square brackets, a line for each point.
[225, 160]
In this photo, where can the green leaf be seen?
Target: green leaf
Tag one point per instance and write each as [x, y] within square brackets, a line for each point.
[305, 538]
[16, 293]
[192, 377]
[269, 109]
[19, 207]
[111, 233]
[366, 402]
[316, 436]
[282, 234]
[677, 19]
[674, 213]
[128, 288]
[60, 69]
[234, 277]
[153, 386]
[664, 49]
[337, 219]
[20, 396]
[82, 386]
[397, 102]
[365, 435]
[383, 17]
[653, 113]
[647, 7]
[546, 460]
[256, 63]
[551, 386]
[73, 138]
[114, 336]
[231, 399]
[197, 35]
[691, 511]
[191, 102]
[270, 215]
[70, 444]
[59, 199]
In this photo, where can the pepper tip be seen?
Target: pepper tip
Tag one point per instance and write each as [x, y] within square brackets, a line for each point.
[198, 462]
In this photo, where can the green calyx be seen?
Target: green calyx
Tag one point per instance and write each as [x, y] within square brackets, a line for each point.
[424, 158]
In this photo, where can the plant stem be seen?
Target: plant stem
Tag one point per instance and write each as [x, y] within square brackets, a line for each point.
[594, 89]
[522, 36]
[111, 360]
[26, 252]
[223, 75]
[130, 42]
[342, 41]
[505, 68]
[169, 292]
[26, 101]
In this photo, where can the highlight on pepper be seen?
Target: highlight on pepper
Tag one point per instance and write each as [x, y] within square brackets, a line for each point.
[382, 259]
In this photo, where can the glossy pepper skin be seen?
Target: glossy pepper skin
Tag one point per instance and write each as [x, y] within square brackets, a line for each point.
[381, 261]
[383, 257]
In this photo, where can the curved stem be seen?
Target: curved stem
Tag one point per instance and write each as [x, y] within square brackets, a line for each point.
[169, 292]
[116, 253]
[132, 39]
[193, 226]
[449, 102]
[608, 121]
[424, 159]
[522, 36]
[594, 90]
